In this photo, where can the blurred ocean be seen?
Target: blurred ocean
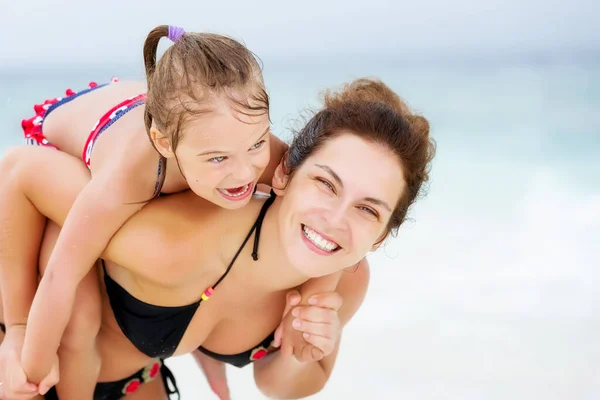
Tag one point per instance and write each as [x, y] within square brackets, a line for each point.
[491, 290]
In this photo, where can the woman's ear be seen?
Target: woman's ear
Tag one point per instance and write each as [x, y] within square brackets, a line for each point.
[161, 143]
[280, 179]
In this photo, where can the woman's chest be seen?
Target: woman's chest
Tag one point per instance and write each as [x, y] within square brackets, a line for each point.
[233, 320]
[168, 311]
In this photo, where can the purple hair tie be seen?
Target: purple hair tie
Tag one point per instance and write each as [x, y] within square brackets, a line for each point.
[175, 33]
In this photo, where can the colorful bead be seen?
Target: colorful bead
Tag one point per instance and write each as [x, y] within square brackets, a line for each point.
[131, 386]
[151, 371]
[207, 293]
[258, 353]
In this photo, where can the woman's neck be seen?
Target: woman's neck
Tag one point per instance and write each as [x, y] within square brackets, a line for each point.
[274, 269]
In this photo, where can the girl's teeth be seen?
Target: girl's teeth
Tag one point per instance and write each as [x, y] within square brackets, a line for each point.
[318, 240]
[236, 194]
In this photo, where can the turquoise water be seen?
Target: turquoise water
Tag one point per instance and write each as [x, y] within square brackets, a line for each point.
[490, 291]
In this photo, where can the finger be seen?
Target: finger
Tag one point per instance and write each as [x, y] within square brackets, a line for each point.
[21, 389]
[294, 297]
[323, 344]
[50, 380]
[20, 394]
[7, 393]
[316, 314]
[289, 298]
[44, 389]
[315, 328]
[217, 380]
[27, 396]
[331, 300]
[311, 353]
[224, 396]
[299, 353]
[287, 349]
[316, 353]
[15, 395]
[47, 385]
[278, 335]
[289, 303]
[18, 385]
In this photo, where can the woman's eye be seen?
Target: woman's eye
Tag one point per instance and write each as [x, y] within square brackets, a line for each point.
[326, 184]
[369, 210]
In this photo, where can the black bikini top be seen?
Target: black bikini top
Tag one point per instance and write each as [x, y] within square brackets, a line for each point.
[156, 330]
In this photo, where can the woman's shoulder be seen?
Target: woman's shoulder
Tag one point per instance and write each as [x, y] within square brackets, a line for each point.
[178, 208]
[181, 220]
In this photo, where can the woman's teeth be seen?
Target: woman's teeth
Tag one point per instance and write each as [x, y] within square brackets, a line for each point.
[319, 240]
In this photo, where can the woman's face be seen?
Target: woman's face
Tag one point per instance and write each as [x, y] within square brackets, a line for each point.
[337, 204]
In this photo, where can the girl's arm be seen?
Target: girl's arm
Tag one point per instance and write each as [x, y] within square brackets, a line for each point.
[96, 214]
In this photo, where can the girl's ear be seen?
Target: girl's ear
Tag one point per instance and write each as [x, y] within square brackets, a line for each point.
[161, 143]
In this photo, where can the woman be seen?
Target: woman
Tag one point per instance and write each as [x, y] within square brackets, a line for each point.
[345, 184]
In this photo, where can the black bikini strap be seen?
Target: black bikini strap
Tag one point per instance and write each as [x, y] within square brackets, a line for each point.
[169, 381]
[257, 225]
[259, 222]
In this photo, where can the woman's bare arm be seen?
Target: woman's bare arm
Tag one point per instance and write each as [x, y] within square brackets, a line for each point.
[283, 377]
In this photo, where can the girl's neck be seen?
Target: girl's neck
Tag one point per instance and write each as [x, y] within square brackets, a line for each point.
[174, 180]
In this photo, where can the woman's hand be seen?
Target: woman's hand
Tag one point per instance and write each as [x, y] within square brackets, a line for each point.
[309, 332]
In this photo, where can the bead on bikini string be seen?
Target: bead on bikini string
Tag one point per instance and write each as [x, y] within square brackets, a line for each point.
[207, 293]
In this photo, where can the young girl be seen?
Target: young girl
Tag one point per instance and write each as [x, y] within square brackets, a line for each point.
[202, 123]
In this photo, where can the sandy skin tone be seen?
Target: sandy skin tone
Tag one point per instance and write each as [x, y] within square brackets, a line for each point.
[123, 171]
[167, 267]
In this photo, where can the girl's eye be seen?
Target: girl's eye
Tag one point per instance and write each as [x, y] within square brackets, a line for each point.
[257, 145]
[216, 160]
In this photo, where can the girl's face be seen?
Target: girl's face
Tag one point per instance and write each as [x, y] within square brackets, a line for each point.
[223, 153]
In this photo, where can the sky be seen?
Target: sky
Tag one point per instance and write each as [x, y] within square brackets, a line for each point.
[87, 32]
